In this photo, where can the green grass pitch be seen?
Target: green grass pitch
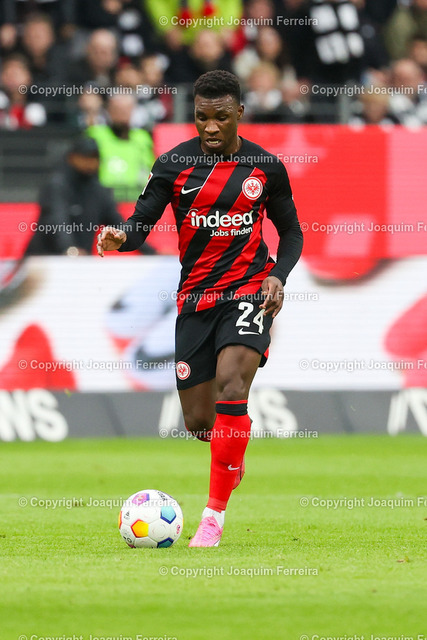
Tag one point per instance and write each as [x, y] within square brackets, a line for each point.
[361, 571]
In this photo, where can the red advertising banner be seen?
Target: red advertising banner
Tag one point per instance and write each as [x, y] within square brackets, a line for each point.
[360, 195]
[360, 192]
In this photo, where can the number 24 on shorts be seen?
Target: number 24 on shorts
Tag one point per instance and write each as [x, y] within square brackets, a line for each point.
[247, 308]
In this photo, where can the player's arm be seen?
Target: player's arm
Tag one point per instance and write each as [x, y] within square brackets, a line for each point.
[148, 210]
[281, 211]
[112, 237]
[112, 218]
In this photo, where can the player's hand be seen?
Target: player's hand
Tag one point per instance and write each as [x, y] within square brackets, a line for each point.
[110, 239]
[272, 290]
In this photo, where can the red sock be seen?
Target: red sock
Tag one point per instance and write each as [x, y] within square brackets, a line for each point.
[229, 439]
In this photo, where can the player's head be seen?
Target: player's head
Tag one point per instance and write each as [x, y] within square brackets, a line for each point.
[217, 111]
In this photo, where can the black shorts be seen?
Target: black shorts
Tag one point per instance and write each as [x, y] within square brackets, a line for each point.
[200, 336]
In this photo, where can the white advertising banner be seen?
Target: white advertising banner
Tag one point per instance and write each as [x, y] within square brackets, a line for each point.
[87, 324]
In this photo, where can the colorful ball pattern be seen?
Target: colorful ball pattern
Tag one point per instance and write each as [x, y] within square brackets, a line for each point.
[150, 518]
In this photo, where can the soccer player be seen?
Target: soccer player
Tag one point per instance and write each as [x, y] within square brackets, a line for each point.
[220, 186]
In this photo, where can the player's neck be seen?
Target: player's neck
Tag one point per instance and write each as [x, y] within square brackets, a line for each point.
[236, 146]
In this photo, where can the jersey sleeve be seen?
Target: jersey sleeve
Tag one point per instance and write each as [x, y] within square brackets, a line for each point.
[282, 212]
[149, 208]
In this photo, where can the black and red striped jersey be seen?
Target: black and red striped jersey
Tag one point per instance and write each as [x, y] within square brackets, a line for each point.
[219, 203]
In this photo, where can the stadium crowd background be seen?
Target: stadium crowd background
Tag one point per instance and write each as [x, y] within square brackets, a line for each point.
[293, 58]
[114, 69]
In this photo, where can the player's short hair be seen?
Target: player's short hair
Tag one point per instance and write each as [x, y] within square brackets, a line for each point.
[216, 84]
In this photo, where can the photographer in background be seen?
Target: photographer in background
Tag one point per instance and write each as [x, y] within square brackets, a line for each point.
[76, 203]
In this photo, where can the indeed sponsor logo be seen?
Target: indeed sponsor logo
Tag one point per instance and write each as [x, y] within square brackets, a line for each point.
[216, 220]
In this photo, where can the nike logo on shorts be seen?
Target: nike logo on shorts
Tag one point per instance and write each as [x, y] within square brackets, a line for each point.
[230, 468]
[243, 333]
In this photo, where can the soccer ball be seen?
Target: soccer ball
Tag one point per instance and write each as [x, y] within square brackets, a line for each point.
[150, 518]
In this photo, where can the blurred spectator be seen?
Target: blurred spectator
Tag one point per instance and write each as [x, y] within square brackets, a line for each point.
[128, 75]
[75, 202]
[47, 60]
[374, 108]
[127, 17]
[99, 63]
[153, 68]
[329, 50]
[206, 53]
[375, 56]
[340, 45]
[135, 29]
[403, 25]
[17, 110]
[417, 51]
[8, 37]
[288, 7]
[159, 105]
[380, 10]
[154, 99]
[295, 102]
[179, 21]
[257, 13]
[408, 102]
[268, 47]
[264, 100]
[14, 12]
[286, 11]
[126, 153]
[91, 110]
[98, 14]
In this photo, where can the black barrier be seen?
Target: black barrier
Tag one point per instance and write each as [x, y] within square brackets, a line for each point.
[52, 416]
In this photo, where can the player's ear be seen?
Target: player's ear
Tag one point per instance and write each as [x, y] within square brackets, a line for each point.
[240, 111]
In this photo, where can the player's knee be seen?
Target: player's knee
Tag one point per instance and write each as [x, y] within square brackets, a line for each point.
[196, 421]
[232, 389]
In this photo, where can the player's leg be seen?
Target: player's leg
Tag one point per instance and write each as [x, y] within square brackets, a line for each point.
[195, 370]
[236, 368]
[241, 341]
[198, 408]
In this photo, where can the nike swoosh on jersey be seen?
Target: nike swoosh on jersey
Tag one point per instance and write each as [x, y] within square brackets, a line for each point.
[184, 190]
[230, 468]
[242, 332]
